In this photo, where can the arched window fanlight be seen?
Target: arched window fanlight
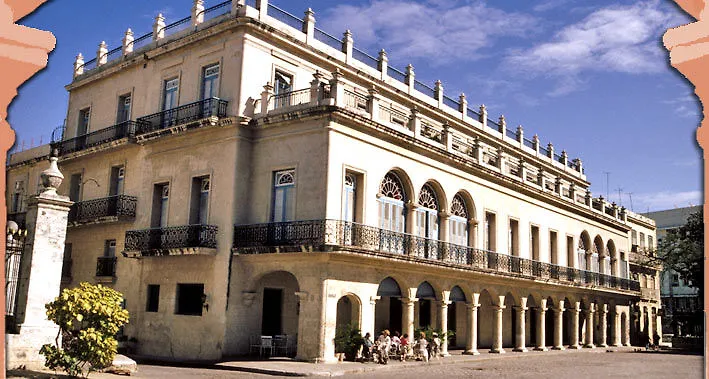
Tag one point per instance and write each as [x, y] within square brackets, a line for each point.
[458, 207]
[391, 187]
[427, 198]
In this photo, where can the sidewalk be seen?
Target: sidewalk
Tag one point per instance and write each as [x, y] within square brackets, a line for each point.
[284, 367]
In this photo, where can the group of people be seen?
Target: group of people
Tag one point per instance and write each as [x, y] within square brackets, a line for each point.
[400, 347]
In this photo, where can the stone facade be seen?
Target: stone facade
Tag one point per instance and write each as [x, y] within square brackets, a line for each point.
[290, 184]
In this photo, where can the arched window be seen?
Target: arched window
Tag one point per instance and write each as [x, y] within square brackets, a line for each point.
[427, 213]
[458, 222]
[581, 251]
[392, 216]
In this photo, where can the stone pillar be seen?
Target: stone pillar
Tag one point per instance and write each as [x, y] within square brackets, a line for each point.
[626, 331]
[265, 98]
[262, 6]
[443, 322]
[438, 92]
[520, 135]
[410, 78]
[482, 115]
[197, 14]
[347, 45]
[471, 343]
[502, 126]
[159, 27]
[575, 311]
[309, 25]
[497, 327]
[315, 88]
[128, 42]
[371, 324]
[604, 326]
[102, 54]
[78, 65]
[650, 332]
[447, 137]
[617, 328]
[550, 150]
[463, 106]
[535, 143]
[373, 104]
[408, 316]
[415, 122]
[337, 88]
[383, 64]
[588, 343]
[559, 326]
[305, 336]
[410, 209]
[541, 326]
[40, 272]
[520, 336]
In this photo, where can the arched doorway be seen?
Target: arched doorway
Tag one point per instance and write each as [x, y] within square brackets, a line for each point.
[457, 319]
[387, 310]
[278, 303]
[424, 308]
[349, 310]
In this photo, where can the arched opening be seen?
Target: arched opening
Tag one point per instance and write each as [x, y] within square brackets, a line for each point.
[387, 310]
[596, 251]
[567, 322]
[509, 321]
[582, 323]
[279, 305]
[427, 222]
[611, 259]
[486, 318]
[549, 323]
[457, 318]
[424, 308]
[583, 249]
[530, 323]
[458, 222]
[392, 214]
[349, 312]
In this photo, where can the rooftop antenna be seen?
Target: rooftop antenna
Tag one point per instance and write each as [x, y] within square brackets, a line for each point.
[608, 174]
[630, 195]
[620, 198]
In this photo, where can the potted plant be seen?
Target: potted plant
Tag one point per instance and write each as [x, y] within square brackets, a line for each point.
[348, 340]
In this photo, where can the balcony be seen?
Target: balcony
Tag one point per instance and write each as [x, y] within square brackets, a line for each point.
[184, 117]
[334, 235]
[104, 210]
[106, 268]
[172, 240]
[97, 138]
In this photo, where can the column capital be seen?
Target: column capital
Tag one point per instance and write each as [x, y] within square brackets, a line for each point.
[472, 306]
[408, 300]
[519, 308]
[444, 303]
[374, 299]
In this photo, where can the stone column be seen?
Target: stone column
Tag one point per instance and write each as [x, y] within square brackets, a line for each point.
[443, 218]
[589, 327]
[337, 88]
[471, 344]
[78, 65]
[575, 311]
[617, 328]
[265, 97]
[102, 54]
[373, 104]
[604, 326]
[626, 331]
[369, 326]
[383, 64]
[347, 45]
[497, 327]
[197, 14]
[128, 42]
[443, 321]
[559, 326]
[159, 27]
[40, 272]
[520, 336]
[410, 77]
[408, 316]
[541, 326]
[309, 26]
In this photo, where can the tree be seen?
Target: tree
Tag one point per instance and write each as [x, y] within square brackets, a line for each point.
[89, 318]
[682, 250]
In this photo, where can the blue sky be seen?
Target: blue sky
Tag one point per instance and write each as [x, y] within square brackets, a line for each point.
[589, 76]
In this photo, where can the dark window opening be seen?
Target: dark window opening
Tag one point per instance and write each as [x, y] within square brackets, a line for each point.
[189, 299]
[153, 300]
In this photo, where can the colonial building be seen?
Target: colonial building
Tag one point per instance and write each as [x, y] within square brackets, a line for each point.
[241, 173]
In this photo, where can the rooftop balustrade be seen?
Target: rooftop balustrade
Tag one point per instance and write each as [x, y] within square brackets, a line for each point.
[334, 235]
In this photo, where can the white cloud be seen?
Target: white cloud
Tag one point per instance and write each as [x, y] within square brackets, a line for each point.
[666, 200]
[549, 5]
[618, 38]
[437, 31]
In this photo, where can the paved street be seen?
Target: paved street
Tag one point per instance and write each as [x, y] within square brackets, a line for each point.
[597, 363]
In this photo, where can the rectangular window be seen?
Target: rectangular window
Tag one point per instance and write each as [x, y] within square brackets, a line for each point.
[109, 248]
[283, 83]
[170, 88]
[17, 197]
[283, 204]
[210, 81]
[117, 176]
[553, 249]
[634, 237]
[75, 187]
[190, 299]
[349, 198]
[490, 230]
[161, 195]
[124, 103]
[513, 243]
[642, 240]
[84, 117]
[534, 242]
[199, 204]
[675, 280]
[650, 242]
[569, 251]
[153, 301]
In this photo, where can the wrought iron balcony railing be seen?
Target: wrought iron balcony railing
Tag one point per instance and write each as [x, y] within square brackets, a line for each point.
[159, 241]
[328, 235]
[183, 114]
[112, 133]
[106, 266]
[119, 207]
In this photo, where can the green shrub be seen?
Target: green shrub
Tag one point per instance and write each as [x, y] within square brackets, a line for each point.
[348, 339]
[89, 318]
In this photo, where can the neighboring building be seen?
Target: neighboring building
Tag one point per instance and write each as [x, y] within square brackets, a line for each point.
[241, 173]
[681, 302]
